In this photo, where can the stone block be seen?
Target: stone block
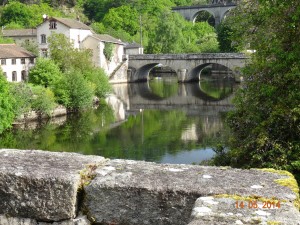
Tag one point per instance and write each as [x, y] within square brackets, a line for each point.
[6, 220]
[224, 211]
[41, 185]
[136, 192]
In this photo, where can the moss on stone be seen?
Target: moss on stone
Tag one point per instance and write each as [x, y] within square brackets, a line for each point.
[249, 198]
[274, 223]
[289, 182]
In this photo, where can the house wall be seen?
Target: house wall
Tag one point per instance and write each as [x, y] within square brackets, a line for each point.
[134, 51]
[44, 29]
[110, 65]
[9, 68]
[77, 36]
[115, 68]
[99, 58]
[21, 40]
[92, 44]
[74, 35]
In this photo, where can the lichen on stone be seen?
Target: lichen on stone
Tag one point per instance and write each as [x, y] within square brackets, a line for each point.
[273, 223]
[87, 174]
[289, 182]
[249, 198]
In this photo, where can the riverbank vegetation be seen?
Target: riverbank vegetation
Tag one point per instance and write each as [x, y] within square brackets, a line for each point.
[265, 124]
[67, 78]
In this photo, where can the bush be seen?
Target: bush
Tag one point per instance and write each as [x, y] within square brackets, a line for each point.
[45, 73]
[6, 104]
[74, 91]
[43, 101]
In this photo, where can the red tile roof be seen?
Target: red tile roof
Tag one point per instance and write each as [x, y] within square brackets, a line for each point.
[14, 51]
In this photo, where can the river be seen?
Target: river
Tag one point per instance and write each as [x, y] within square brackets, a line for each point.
[160, 121]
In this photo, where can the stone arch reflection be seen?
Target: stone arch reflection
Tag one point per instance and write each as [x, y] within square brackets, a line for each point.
[206, 91]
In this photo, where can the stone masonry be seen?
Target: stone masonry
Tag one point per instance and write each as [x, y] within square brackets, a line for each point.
[43, 188]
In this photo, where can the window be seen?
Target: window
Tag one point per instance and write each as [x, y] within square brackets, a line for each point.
[22, 61]
[31, 60]
[52, 25]
[3, 61]
[14, 76]
[23, 75]
[43, 39]
[13, 61]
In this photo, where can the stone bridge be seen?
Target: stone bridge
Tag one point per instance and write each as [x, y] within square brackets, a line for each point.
[187, 66]
[218, 11]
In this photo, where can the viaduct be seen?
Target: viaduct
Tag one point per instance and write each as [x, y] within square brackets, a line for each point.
[218, 11]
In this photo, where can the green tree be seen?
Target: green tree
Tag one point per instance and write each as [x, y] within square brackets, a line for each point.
[16, 12]
[6, 104]
[30, 46]
[70, 59]
[16, 15]
[45, 73]
[98, 78]
[122, 18]
[79, 91]
[224, 37]
[95, 9]
[23, 95]
[266, 121]
[168, 37]
[43, 101]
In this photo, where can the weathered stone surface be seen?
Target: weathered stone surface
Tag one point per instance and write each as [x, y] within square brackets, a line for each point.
[41, 185]
[5, 220]
[224, 211]
[131, 192]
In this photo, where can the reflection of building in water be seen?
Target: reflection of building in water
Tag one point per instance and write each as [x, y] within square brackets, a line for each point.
[190, 133]
[118, 107]
[211, 126]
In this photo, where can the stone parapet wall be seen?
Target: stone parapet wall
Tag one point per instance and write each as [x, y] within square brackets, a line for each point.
[43, 188]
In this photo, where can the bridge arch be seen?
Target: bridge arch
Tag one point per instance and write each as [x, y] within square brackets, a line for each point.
[143, 73]
[195, 73]
[205, 15]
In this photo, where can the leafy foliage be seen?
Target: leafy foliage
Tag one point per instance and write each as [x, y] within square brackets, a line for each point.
[266, 122]
[45, 73]
[6, 104]
[81, 80]
[19, 15]
[23, 94]
[108, 50]
[6, 40]
[43, 101]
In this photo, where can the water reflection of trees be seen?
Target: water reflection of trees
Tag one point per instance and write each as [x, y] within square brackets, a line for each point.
[145, 136]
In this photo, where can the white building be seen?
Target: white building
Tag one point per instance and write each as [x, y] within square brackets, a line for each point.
[74, 30]
[116, 66]
[15, 62]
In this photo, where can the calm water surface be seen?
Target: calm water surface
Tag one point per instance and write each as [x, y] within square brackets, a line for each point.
[159, 121]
